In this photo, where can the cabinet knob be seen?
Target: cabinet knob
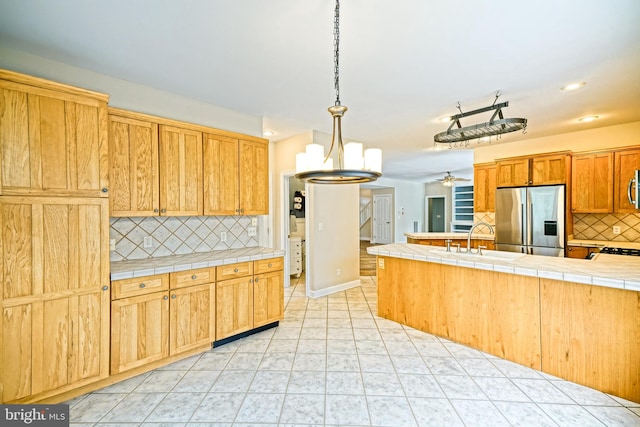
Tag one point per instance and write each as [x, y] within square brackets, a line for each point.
[105, 190]
[242, 210]
[142, 285]
[235, 270]
[163, 210]
[257, 280]
[237, 210]
[270, 265]
[173, 296]
[105, 288]
[165, 297]
[156, 210]
[194, 277]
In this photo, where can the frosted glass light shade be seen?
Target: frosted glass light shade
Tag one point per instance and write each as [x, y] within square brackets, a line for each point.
[373, 159]
[353, 156]
[315, 156]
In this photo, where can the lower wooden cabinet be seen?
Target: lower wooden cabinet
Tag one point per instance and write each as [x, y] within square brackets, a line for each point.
[581, 252]
[253, 300]
[160, 316]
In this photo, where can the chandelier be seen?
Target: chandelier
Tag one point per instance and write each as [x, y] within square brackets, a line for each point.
[353, 167]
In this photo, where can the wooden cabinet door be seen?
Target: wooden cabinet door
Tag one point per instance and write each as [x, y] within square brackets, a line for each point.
[579, 252]
[234, 307]
[549, 170]
[133, 167]
[139, 331]
[592, 183]
[180, 171]
[512, 173]
[254, 177]
[55, 300]
[52, 143]
[220, 175]
[484, 188]
[268, 298]
[192, 317]
[626, 162]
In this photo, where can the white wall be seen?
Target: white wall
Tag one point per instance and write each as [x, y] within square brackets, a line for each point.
[132, 96]
[587, 140]
[408, 198]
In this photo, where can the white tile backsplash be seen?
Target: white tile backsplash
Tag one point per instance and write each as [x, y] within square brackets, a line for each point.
[178, 235]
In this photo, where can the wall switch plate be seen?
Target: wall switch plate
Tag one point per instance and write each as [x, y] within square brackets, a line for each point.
[616, 229]
[254, 221]
[148, 242]
[320, 226]
[223, 236]
[112, 244]
[252, 231]
[339, 272]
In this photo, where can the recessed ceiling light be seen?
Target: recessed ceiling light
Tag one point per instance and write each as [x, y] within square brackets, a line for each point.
[573, 86]
[268, 133]
[588, 119]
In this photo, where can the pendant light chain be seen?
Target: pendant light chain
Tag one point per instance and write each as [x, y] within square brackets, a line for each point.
[336, 51]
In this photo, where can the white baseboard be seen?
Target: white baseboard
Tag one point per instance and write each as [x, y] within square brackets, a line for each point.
[333, 289]
[365, 239]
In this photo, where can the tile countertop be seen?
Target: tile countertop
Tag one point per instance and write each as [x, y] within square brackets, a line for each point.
[602, 244]
[168, 264]
[474, 236]
[613, 271]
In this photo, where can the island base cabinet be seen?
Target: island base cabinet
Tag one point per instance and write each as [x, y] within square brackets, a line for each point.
[591, 336]
[494, 312]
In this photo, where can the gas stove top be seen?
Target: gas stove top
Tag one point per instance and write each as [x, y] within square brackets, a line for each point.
[620, 251]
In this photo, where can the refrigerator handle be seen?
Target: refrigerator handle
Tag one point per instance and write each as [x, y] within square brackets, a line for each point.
[530, 224]
[629, 193]
[522, 230]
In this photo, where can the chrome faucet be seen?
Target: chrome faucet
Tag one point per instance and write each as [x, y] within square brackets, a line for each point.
[473, 227]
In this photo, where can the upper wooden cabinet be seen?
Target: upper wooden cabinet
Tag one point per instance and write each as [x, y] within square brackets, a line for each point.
[625, 164]
[536, 170]
[54, 326]
[484, 187]
[180, 159]
[236, 176]
[133, 162]
[592, 183]
[53, 138]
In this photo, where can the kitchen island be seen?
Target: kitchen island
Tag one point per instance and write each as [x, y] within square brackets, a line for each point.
[440, 239]
[571, 318]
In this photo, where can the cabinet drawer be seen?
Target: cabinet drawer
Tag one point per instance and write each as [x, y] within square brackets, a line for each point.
[231, 271]
[192, 277]
[139, 286]
[267, 265]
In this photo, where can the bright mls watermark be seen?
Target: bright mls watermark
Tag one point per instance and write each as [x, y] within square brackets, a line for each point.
[35, 415]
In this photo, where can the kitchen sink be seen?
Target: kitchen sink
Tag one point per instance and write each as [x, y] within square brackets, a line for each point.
[487, 255]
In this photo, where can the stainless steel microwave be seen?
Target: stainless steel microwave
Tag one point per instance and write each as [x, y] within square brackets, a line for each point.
[633, 191]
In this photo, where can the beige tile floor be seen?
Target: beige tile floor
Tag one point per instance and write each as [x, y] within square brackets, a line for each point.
[332, 361]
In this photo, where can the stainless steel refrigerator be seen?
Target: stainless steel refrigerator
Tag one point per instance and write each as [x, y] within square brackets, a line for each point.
[531, 220]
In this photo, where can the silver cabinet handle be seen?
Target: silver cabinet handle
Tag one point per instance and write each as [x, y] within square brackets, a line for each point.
[173, 296]
[194, 277]
[165, 297]
[105, 288]
[105, 190]
[142, 285]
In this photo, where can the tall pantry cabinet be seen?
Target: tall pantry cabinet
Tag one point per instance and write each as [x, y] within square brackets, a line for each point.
[54, 238]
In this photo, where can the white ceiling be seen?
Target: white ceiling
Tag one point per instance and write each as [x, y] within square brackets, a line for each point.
[403, 64]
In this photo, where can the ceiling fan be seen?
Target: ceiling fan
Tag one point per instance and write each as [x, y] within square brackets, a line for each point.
[449, 180]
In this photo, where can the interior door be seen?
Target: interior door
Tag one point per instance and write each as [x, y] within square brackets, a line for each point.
[382, 227]
[436, 214]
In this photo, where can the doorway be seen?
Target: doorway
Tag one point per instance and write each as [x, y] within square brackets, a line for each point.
[436, 212]
[382, 227]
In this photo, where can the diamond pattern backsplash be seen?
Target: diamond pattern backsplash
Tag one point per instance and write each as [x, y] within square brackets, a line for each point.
[178, 235]
[488, 217]
[600, 227]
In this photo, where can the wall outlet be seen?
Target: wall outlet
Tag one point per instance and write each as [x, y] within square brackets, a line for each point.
[339, 272]
[148, 242]
[320, 226]
[616, 229]
[112, 244]
[251, 231]
[254, 221]
[223, 236]
[381, 263]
